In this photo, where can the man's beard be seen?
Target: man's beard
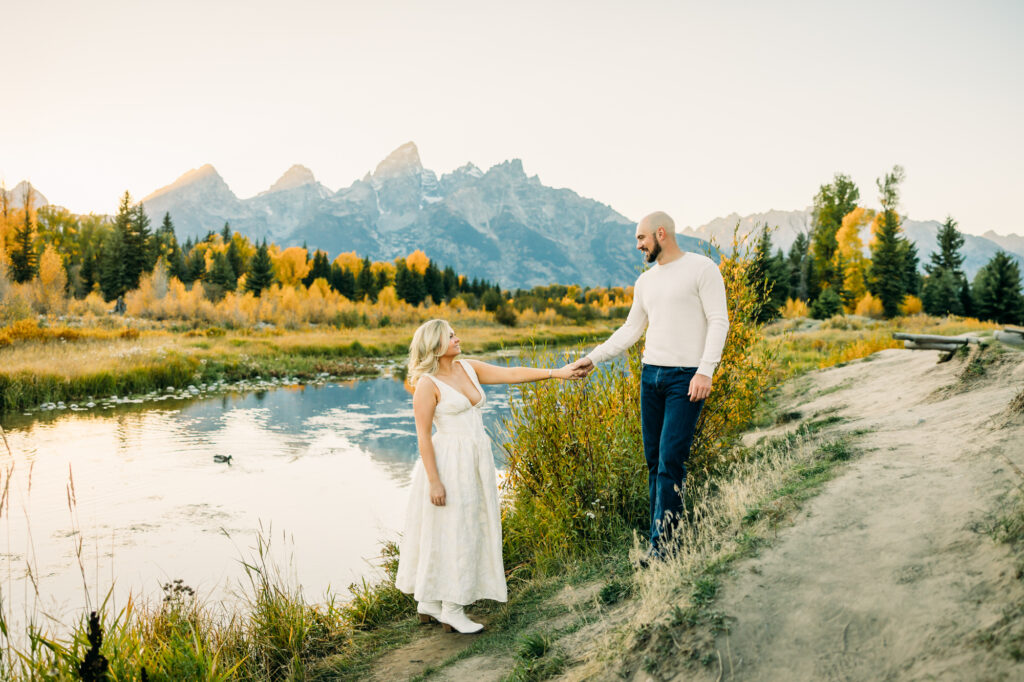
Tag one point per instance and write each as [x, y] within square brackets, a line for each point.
[653, 254]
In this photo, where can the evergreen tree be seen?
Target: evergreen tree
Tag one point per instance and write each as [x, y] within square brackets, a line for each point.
[222, 276]
[997, 290]
[225, 233]
[826, 305]
[343, 281]
[88, 274]
[235, 257]
[321, 268]
[832, 202]
[888, 273]
[911, 276]
[767, 277]
[112, 266]
[366, 285]
[800, 267]
[450, 282]
[195, 266]
[945, 290]
[261, 271]
[434, 283]
[139, 248]
[23, 256]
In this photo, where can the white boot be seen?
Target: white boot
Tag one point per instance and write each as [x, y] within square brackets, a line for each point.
[453, 617]
[428, 610]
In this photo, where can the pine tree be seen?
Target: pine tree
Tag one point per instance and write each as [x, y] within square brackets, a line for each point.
[222, 276]
[888, 273]
[261, 271]
[23, 256]
[945, 290]
[343, 281]
[799, 267]
[195, 265]
[434, 283]
[767, 276]
[997, 290]
[225, 233]
[139, 248]
[235, 257]
[831, 204]
[321, 268]
[111, 271]
[366, 284]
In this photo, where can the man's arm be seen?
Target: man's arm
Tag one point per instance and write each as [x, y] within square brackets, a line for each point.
[624, 337]
[711, 289]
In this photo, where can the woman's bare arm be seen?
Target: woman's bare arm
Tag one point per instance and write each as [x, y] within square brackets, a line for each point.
[424, 402]
[493, 374]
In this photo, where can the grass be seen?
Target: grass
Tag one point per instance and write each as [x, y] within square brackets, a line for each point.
[1006, 635]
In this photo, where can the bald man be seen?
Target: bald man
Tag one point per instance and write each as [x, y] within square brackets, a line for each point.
[681, 304]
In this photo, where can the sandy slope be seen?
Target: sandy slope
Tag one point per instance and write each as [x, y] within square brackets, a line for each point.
[886, 575]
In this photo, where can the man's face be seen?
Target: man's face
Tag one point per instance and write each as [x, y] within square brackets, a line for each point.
[647, 242]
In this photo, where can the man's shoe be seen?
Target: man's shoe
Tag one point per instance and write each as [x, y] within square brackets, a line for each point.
[652, 556]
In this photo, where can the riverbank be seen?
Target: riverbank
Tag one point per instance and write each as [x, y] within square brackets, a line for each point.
[52, 362]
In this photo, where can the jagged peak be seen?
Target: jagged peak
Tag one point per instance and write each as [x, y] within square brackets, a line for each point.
[511, 167]
[403, 161]
[204, 174]
[16, 195]
[296, 176]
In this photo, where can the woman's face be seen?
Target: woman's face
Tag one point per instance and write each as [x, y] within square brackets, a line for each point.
[453, 348]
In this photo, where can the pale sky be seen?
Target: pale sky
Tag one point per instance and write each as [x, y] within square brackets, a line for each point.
[696, 108]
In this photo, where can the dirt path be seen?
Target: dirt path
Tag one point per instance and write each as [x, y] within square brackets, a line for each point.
[886, 575]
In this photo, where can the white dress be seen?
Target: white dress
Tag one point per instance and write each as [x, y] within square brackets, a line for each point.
[453, 553]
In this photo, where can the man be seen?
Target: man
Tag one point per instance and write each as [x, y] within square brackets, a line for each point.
[681, 303]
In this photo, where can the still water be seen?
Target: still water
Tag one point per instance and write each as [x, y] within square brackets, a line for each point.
[322, 469]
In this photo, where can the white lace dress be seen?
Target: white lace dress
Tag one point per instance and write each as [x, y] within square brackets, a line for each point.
[453, 553]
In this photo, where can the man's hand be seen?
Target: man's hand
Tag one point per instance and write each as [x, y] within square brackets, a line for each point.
[700, 387]
[582, 367]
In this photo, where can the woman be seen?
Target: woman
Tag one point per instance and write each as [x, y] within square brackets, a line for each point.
[450, 554]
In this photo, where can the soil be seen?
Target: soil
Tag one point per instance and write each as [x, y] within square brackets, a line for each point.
[889, 574]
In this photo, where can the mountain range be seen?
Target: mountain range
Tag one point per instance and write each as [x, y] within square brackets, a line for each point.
[500, 224]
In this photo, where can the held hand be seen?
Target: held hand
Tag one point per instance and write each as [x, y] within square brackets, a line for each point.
[567, 372]
[582, 367]
[437, 494]
[700, 387]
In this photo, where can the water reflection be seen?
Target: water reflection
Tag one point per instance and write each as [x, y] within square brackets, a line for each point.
[326, 465]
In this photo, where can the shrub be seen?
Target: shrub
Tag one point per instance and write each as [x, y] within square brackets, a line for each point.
[826, 305]
[911, 306]
[794, 308]
[506, 315]
[869, 306]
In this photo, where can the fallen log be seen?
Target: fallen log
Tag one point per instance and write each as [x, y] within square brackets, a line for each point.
[945, 347]
[934, 338]
[1010, 337]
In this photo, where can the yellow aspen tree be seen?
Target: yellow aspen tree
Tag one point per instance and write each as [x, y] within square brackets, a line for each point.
[290, 265]
[51, 281]
[383, 266]
[349, 261]
[417, 261]
[849, 257]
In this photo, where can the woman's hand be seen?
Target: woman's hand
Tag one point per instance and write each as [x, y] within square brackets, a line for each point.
[568, 372]
[437, 493]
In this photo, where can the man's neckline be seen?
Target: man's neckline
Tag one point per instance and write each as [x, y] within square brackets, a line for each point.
[682, 255]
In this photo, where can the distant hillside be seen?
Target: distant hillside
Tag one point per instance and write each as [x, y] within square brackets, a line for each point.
[500, 224]
[977, 250]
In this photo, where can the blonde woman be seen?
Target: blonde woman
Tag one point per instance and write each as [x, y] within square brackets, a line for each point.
[450, 553]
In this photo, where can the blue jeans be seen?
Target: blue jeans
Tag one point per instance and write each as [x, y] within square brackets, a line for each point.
[668, 420]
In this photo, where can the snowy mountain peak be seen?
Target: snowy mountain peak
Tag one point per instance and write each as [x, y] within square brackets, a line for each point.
[296, 176]
[403, 161]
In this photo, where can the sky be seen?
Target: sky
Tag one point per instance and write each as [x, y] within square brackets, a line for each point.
[700, 109]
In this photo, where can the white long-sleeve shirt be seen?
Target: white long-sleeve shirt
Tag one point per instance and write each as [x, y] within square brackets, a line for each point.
[682, 306]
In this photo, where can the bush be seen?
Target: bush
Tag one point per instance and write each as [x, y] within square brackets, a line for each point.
[826, 305]
[870, 306]
[506, 315]
[794, 308]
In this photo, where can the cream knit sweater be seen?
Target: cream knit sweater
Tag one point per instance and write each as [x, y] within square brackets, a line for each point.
[682, 306]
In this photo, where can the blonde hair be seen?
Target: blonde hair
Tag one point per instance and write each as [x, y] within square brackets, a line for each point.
[429, 343]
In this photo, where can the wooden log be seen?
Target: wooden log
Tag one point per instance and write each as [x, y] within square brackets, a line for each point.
[1013, 329]
[1012, 338]
[933, 338]
[945, 347]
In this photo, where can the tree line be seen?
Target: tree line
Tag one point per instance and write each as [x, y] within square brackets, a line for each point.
[828, 272]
